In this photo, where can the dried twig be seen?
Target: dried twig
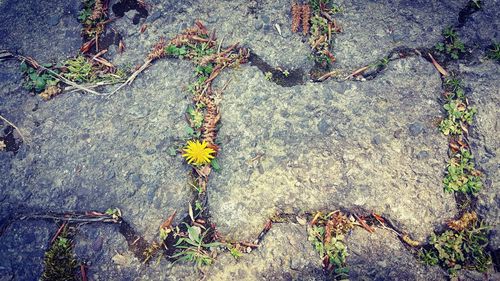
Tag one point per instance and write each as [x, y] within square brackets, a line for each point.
[13, 126]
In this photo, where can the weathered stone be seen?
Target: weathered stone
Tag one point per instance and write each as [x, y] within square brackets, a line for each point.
[307, 169]
[381, 256]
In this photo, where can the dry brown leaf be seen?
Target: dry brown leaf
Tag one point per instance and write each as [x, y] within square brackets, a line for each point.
[168, 222]
[438, 66]
[2, 145]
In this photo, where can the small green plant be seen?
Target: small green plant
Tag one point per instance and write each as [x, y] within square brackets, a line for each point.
[235, 252]
[202, 50]
[196, 117]
[179, 52]
[268, 76]
[325, 5]
[37, 80]
[455, 250]
[455, 86]
[494, 52]
[452, 44]
[462, 175]
[84, 16]
[194, 249]
[335, 249]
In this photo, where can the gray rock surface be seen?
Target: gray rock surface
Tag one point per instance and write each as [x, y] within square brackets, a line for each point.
[332, 145]
[381, 256]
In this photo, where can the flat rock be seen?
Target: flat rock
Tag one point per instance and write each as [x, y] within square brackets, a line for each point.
[330, 146]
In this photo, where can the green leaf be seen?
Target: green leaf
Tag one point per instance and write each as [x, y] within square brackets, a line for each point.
[215, 165]
[194, 233]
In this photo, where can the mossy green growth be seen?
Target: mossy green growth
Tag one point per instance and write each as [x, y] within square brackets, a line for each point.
[60, 262]
[452, 44]
[455, 250]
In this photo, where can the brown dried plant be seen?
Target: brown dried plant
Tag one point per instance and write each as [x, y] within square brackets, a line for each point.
[2, 145]
[50, 92]
[296, 16]
[158, 50]
[306, 16]
[212, 117]
[464, 222]
[99, 10]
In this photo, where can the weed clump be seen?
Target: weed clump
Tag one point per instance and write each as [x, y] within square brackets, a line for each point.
[327, 234]
[452, 44]
[463, 246]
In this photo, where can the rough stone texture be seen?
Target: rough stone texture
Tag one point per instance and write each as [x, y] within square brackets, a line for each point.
[372, 28]
[482, 28]
[332, 145]
[106, 152]
[381, 256]
[22, 249]
[34, 27]
[484, 83]
[287, 253]
[371, 145]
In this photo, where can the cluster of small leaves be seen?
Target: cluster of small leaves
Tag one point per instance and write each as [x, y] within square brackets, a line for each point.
[321, 30]
[193, 247]
[316, 6]
[452, 44]
[327, 237]
[86, 11]
[461, 175]
[37, 81]
[459, 114]
[334, 250]
[455, 250]
[60, 262]
[494, 52]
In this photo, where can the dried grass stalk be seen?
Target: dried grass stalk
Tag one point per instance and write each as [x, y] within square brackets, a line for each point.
[158, 50]
[296, 15]
[98, 10]
[306, 16]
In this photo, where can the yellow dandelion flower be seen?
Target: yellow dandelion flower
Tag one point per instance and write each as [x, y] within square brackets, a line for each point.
[197, 153]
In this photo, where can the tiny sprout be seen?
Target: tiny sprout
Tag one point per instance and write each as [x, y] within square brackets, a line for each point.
[268, 76]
